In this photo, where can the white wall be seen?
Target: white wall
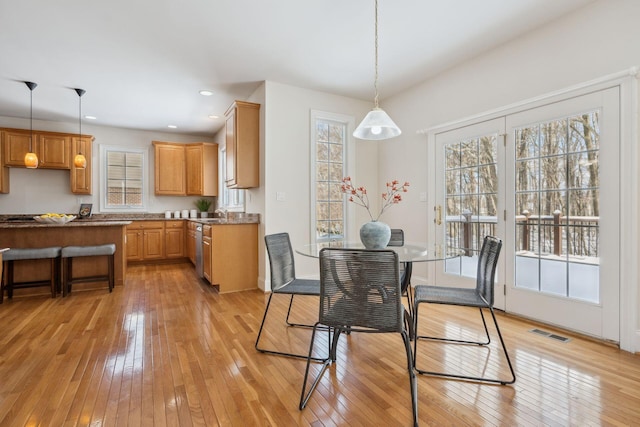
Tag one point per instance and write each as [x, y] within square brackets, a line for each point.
[286, 165]
[42, 190]
[599, 40]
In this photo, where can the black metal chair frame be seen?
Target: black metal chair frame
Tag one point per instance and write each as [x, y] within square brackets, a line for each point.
[397, 239]
[481, 297]
[284, 282]
[360, 291]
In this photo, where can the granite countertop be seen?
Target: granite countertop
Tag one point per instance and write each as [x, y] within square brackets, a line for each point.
[98, 220]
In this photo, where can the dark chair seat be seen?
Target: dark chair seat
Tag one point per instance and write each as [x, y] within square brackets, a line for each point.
[68, 253]
[19, 254]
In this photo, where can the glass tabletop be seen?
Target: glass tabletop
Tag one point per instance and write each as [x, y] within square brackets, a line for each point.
[409, 252]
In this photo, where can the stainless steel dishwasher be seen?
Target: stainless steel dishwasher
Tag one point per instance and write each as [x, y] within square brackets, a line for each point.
[199, 264]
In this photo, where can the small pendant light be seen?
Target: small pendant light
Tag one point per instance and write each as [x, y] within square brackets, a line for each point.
[377, 124]
[79, 160]
[30, 159]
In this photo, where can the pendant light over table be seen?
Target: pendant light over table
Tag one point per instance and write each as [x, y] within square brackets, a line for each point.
[377, 124]
[30, 159]
[79, 160]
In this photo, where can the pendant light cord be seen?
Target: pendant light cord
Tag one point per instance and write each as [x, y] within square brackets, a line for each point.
[31, 121]
[375, 80]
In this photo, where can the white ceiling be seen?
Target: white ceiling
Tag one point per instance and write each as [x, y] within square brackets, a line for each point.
[142, 62]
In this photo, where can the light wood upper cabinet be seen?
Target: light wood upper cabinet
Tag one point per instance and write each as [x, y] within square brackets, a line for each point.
[16, 145]
[54, 151]
[242, 139]
[186, 169]
[202, 169]
[170, 176]
[4, 171]
[80, 179]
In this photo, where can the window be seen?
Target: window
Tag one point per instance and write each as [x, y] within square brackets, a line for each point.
[329, 135]
[230, 199]
[123, 172]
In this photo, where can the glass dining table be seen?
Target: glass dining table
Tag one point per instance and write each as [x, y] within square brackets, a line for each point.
[407, 255]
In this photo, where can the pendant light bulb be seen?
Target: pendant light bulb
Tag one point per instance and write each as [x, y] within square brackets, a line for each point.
[30, 159]
[79, 161]
[377, 124]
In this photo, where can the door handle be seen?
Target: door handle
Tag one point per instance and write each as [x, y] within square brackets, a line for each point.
[438, 217]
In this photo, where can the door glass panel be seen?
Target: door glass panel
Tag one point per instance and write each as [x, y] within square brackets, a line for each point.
[471, 185]
[557, 207]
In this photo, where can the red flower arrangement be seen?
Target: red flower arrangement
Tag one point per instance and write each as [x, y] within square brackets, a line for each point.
[358, 195]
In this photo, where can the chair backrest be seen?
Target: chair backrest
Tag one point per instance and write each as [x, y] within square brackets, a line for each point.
[487, 263]
[397, 237]
[281, 262]
[360, 288]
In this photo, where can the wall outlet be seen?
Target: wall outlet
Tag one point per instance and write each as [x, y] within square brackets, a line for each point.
[281, 196]
[79, 200]
[423, 196]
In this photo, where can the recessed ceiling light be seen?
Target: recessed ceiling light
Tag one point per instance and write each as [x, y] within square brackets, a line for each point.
[206, 93]
[172, 127]
[213, 116]
[90, 117]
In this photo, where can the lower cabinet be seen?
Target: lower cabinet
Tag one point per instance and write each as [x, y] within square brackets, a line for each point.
[155, 240]
[174, 239]
[233, 262]
[145, 240]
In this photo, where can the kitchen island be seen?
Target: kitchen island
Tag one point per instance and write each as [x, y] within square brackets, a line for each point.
[30, 234]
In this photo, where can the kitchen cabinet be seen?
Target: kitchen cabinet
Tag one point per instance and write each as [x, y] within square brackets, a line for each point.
[186, 169]
[191, 241]
[80, 179]
[202, 169]
[170, 178]
[53, 149]
[206, 253]
[242, 139]
[174, 243]
[145, 240]
[233, 261]
[4, 171]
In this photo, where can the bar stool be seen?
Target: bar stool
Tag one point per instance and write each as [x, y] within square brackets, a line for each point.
[70, 252]
[18, 254]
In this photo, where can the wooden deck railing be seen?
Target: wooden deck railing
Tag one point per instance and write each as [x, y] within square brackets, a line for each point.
[551, 234]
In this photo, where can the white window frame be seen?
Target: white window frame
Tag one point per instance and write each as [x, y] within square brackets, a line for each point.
[104, 207]
[348, 155]
[230, 199]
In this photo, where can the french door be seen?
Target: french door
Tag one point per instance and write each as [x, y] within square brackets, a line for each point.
[563, 163]
[546, 181]
[468, 163]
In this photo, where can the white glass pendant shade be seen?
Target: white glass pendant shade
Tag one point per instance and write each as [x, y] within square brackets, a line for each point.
[377, 125]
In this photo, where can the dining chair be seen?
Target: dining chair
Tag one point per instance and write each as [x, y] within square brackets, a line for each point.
[397, 239]
[482, 297]
[284, 282]
[359, 292]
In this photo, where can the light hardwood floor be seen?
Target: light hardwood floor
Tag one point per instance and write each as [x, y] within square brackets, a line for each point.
[166, 350]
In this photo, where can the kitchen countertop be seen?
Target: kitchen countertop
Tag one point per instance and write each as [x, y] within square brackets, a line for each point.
[101, 220]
